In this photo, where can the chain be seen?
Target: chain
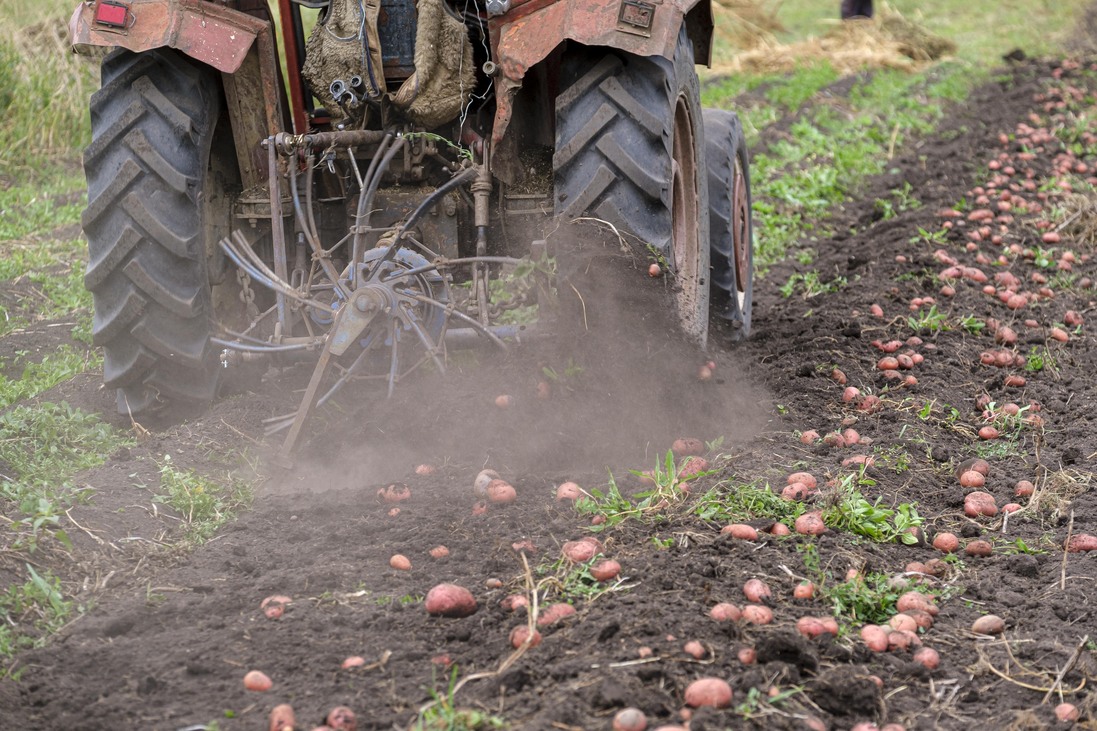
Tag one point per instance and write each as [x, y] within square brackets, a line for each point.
[247, 294]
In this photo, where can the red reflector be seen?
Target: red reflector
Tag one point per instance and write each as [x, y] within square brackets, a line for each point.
[112, 14]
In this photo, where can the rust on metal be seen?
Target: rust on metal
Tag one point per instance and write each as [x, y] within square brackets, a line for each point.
[533, 29]
[293, 68]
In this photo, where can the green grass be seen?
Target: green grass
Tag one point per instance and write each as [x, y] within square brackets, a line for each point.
[39, 376]
[204, 504]
[42, 448]
[31, 612]
[732, 502]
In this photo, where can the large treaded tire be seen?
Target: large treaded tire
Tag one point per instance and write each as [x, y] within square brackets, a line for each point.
[731, 228]
[152, 128]
[619, 120]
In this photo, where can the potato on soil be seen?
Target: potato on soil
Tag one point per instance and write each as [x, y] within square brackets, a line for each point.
[1066, 712]
[425, 470]
[927, 657]
[521, 633]
[712, 692]
[757, 614]
[804, 590]
[988, 624]
[980, 503]
[397, 492]
[258, 681]
[812, 627]
[514, 602]
[605, 570]
[554, 613]
[688, 447]
[1081, 543]
[695, 649]
[501, 492]
[742, 531]
[757, 591]
[450, 600]
[630, 719]
[439, 552]
[946, 542]
[568, 491]
[725, 612]
[275, 605]
[483, 479]
[582, 550]
[693, 467]
[354, 661]
[811, 524]
[806, 478]
[342, 718]
[282, 718]
[980, 548]
[875, 637]
[400, 562]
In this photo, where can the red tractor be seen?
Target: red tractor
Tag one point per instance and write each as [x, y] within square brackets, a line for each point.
[396, 193]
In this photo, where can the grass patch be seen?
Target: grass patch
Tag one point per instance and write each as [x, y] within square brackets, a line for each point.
[851, 512]
[730, 502]
[55, 367]
[32, 612]
[204, 504]
[42, 448]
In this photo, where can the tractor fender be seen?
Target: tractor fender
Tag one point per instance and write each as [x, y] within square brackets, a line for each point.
[532, 30]
[238, 45]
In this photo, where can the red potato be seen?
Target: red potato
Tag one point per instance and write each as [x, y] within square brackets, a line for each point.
[971, 478]
[693, 467]
[757, 614]
[493, 583]
[980, 503]
[400, 562]
[1011, 507]
[989, 624]
[811, 524]
[725, 612]
[903, 621]
[504, 401]
[582, 550]
[804, 590]
[521, 634]
[439, 552]
[1066, 712]
[741, 531]
[834, 439]
[980, 549]
[282, 718]
[568, 491]
[394, 512]
[876, 311]
[875, 637]
[1058, 334]
[902, 639]
[425, 470]
[514, 602]
[554, 613]
[354, 661]
[757, 591]
[544, 390]
[450, 600]
[1014, 381]
[946, 542]
[342, 718]
[1024, 488]
[796, 491]
[915, 600]
[840, 378]
[525, 546]
[704, 373]
[1081, 543]
[805, 478]
[922, 618]
[812, 627]
[988, 433]
[780, 529]
[851, 437]
[443, 660]
[809, 437]
[927, 657]
[257, 681]
[275, 605]
[887, 363]
[695, 649]
[851, 393]
[397, 492]
[630, 719]
[654, 270]
[688, 447]
[501, 492]
[605, 570]
[483, 479]
[711, 692]
[747, 655]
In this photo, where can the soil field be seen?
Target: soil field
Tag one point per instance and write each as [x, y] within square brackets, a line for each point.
[977, 281]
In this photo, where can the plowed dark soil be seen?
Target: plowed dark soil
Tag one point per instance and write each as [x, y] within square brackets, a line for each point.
[169, 635]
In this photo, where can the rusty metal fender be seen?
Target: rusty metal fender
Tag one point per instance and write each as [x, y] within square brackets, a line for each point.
[531, 30]
[238, 45]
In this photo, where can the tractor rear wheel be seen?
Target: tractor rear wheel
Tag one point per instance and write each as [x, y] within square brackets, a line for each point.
[629, 146]
[153, 204]
[731, 230]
